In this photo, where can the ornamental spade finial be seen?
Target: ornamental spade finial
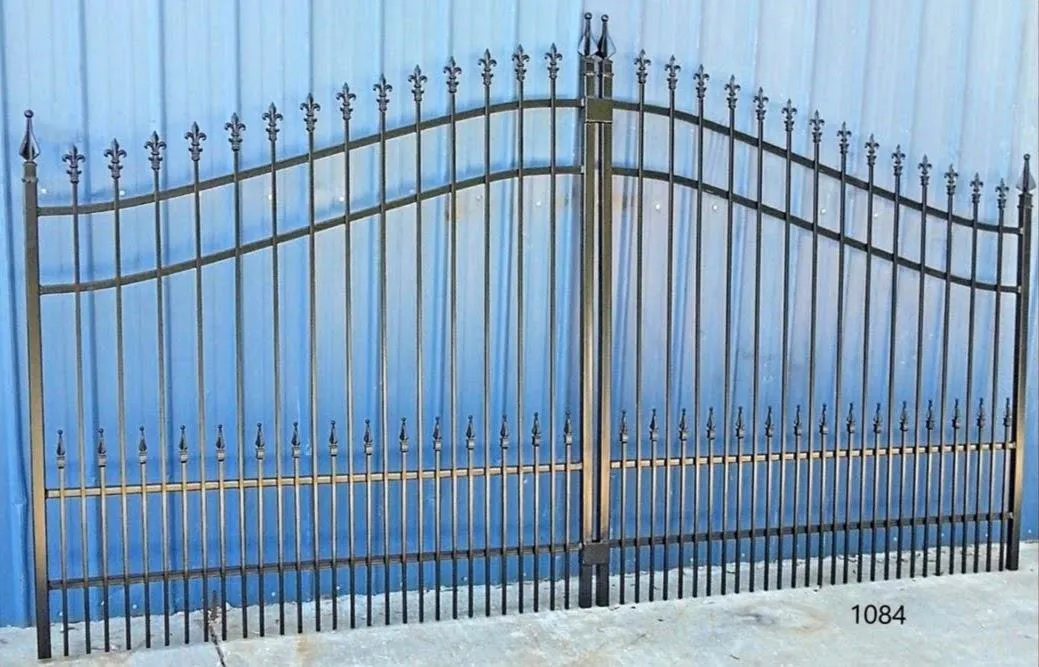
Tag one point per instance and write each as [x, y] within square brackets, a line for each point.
[438, 440]
[403, 435]
[503, 432]
[28, 149]
[535, 432]
[470, 435]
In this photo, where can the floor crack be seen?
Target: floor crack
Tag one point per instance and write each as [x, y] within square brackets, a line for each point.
[214, 634]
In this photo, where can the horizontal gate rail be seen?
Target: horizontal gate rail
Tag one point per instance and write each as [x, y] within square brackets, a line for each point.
[611, 364]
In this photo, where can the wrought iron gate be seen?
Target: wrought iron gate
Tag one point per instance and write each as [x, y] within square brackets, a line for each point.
[453, 513]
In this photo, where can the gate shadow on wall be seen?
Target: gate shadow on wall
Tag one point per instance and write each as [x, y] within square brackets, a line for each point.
[478, 357]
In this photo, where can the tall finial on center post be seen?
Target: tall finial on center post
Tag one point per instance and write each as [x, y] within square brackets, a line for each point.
[28, 149]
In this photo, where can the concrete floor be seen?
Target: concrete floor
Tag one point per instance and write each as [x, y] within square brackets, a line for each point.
[950, 620]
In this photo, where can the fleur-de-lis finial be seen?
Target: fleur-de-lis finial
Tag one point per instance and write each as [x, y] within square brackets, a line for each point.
[403, 435]
[195, 137]
[844, 138]
[654, 431]
[183, 445]
[417, 80]
[739, 423]
[568, 430]
[760, 102]
[519, 63]
[503, 432]
[1001, 194]
[871, 151]
[710, 424]
[929, 422]
[789, 111]
[876, 420]
[221, 446]
[383, 91]
[623, 435]
[60, 450]
[925, 172]
[981, 413]
[849, 421]
[272, 116]
[701, 78]
[956, 415]
[769, 426]
[732, 90]
[950, 181]
[816, 122]
[259, 442]
[368, 448]
[903, 419]
[487, 64]
[1007, 415]
[155, 147]
[310, 108]
[102, 452]
[898, 157]
[797, 422]
[333, 440]
[295, 440]
[346, 101]
[115, 155]
[535, 432]
[470, 435]
[235, 126]
[642, 64]
[438, 440]
[28, 149]
[553, 56]
[683, 427]
[672, 68]
[142, 447]
[452, 70]
[824, 424]
[73, 158]
[975, 189]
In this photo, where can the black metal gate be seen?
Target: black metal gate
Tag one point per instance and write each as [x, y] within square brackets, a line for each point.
[738, 468]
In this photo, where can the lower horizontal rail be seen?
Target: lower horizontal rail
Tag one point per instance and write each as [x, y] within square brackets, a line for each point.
[444, 474]
[232, 570]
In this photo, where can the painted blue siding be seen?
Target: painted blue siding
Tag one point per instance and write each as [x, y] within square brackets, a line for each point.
[956, 80]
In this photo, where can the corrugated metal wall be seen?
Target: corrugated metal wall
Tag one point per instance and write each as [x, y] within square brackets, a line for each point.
[957, 80]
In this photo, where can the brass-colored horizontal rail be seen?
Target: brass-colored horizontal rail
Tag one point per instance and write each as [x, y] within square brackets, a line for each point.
[909, 450]
[308, 480]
